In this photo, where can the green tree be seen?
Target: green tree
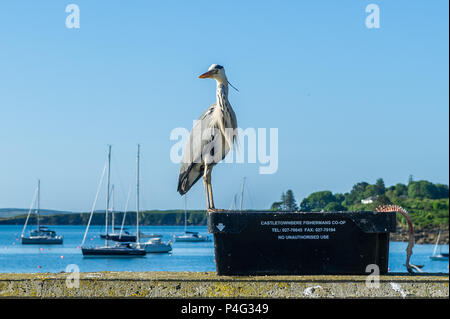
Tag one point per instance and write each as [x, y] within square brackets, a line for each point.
[356, 194]
[276, 206]
[442, 190]
[423, 189]
[380, 188]
[335, 207]
[400, 190]
[339, 197]
[383, 200]
[305, 206]
[371, 190]
[317, 201]
[283, 201]
[289, 201]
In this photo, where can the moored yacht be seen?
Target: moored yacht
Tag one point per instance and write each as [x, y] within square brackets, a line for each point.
[156, 245]
[441, 255]
[189, 236]
[118, 250]
[42, 235]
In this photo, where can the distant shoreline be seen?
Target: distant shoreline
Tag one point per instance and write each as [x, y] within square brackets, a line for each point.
[426, 235]
[423, 236]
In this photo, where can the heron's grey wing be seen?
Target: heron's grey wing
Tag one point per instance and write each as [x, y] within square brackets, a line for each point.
[192, 165]
[233, 124]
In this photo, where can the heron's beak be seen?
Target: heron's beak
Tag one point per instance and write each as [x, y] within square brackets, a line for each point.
[205, 75]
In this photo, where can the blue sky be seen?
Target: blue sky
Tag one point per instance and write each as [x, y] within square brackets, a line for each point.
[350, 103]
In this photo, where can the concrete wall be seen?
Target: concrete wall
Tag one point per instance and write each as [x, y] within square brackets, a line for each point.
[209, 285]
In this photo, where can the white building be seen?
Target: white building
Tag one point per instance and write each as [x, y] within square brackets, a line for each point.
[369, 200]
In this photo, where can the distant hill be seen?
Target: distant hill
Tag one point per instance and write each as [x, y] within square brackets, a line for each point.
[149, 217]
[154, 217]
[11, 212]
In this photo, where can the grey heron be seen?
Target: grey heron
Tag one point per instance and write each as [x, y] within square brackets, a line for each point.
[212, 137]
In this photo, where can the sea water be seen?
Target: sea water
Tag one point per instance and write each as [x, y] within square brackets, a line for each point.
[198, 257]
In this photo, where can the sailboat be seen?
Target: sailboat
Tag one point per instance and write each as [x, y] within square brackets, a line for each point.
[154, 244]
[189, 236]
[119, 249]
[441, 255]
[42, 235]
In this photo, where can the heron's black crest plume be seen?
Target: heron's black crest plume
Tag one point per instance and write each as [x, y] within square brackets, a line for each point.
[232, 86]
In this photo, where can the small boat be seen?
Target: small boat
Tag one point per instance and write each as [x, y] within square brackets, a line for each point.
[156, 245]
[42, 235]
[142, 235]
[441, 256]
[189, 236]
[119, 249]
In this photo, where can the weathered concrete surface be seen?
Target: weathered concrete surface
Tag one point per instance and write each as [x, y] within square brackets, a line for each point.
[209, 285]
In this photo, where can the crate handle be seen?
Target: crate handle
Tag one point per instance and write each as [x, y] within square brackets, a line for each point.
[398, 209]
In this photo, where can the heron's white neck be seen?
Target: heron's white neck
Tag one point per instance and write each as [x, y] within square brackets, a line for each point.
[222, 91]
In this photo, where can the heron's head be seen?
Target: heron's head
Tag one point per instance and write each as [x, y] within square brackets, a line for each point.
[216, 72]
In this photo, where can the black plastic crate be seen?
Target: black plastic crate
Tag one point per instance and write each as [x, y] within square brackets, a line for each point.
[295, 243]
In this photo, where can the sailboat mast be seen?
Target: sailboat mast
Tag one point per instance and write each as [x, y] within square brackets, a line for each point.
[29, 212]
[242, 193]
[185, 213]
[137, 196]
[39, 206]
[437, 243]
[112, 209]
[107, 194]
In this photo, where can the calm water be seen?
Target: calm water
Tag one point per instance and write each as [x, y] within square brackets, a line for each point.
[17, 258]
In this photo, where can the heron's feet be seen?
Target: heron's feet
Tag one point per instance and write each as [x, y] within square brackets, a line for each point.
[214, 210]
[411, 268]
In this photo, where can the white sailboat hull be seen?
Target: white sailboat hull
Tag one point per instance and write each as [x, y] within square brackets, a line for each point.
[155, 247]
[158, 248]
[191, 239]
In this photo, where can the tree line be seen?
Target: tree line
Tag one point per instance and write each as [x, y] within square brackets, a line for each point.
[163, 218]
[428, 203]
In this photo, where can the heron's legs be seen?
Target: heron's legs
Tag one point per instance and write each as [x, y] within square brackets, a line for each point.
[205, 182]
[208, 179]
